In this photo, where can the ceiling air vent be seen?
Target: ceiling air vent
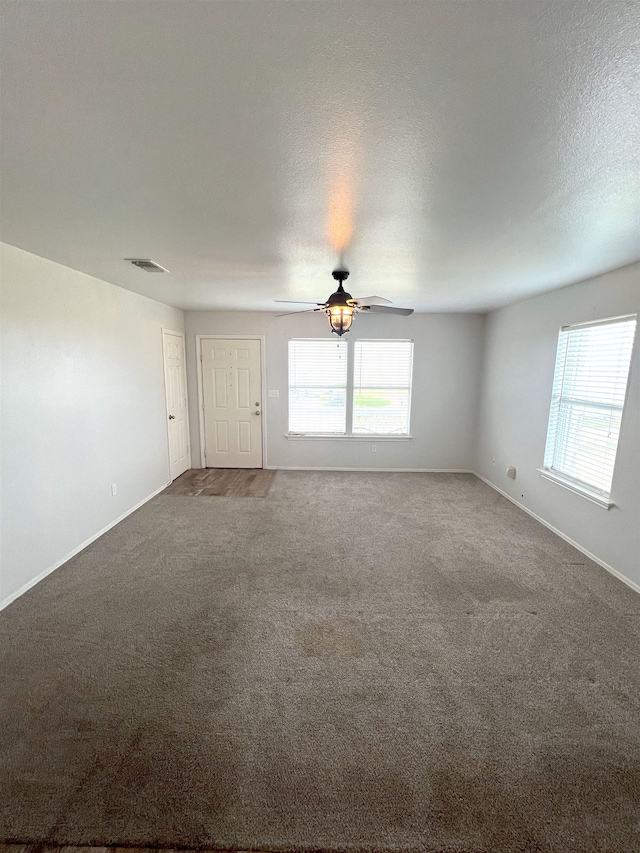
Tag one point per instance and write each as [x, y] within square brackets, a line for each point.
[146, 264]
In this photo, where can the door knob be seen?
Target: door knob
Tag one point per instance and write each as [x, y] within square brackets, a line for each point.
[256, 413]
[172, 417]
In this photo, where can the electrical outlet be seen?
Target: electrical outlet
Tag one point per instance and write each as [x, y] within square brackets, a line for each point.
[114, 489]
[374, 448]
[274, 393]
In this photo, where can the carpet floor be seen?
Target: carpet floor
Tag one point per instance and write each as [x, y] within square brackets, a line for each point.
[357, 662]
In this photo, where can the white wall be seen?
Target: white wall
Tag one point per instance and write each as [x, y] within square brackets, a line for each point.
[446, 379]
[520, 351]
[82, 407]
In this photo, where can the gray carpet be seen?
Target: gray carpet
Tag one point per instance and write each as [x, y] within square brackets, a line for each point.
[358, 662]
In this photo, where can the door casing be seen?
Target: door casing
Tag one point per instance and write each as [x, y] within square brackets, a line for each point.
[263, 384]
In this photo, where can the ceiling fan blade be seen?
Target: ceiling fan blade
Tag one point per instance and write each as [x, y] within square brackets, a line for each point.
[384, 309]
[298, 302]
[291, 313]
[371, 300]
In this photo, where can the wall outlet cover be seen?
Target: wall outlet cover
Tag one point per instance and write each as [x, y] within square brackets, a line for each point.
[511, 472]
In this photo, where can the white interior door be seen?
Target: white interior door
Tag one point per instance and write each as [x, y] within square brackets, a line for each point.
[175, 382]
[232, 403]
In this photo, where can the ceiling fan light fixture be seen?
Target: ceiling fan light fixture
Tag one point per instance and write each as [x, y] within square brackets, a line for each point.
[340, 318]
[339, 306]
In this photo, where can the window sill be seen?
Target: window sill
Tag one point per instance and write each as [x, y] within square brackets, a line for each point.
[320, 437]
[583, 491]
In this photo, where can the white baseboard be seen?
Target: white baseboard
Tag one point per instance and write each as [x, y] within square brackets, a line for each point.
[576, 545]
[373, 470]
[81, 547]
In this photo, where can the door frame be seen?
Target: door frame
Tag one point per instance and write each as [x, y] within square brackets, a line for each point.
[263, 384]
[164, 331]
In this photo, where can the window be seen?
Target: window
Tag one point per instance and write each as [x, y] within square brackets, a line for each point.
[382, 387]
[589, 386]
[318, 386]
[325, 398]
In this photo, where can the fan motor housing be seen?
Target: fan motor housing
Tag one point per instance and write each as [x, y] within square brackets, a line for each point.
[340, 297]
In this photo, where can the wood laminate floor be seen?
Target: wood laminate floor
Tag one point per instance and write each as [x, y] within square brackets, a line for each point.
[53, 848]
[222, 482]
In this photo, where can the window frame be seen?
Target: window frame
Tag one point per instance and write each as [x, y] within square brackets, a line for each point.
[351, 376]
[585, 490]
[349, 435]
[329, 435]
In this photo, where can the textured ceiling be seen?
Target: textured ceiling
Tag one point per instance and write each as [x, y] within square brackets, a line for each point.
[459, 155]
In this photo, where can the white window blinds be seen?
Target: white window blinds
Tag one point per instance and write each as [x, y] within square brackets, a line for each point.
[318, 386]
[589, 386]
[382, 387]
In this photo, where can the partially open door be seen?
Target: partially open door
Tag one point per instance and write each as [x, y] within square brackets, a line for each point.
[175, 383]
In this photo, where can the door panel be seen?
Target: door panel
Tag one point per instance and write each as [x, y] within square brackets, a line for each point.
[244, 381]
[244, 437]
[232, 397]
[220, 386]
[175, 381]
[222, 437]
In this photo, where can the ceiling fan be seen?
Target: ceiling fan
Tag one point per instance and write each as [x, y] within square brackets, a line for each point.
[341, 306]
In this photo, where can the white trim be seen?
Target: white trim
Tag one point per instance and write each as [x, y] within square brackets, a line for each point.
[186, 396]
[309, 436]
[263, 383]
[374, 470]
[384, 340]
[607, 321]
[569, 484]
[578, 547]
[200, 399]
[77, 550]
